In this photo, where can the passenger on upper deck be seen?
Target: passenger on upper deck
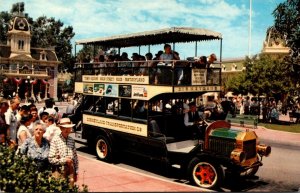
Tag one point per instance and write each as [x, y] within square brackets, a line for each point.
[168, 55]
[211, 59]
[165, 77]
[111, 68]
[201, 63]
[102, 64]
[125, 64]
[146, 65]
[156, 72]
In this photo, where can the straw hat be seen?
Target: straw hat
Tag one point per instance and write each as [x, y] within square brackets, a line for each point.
[66, 122]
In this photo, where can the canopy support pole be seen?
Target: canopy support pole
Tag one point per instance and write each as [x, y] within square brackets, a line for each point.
[148, 48]
[196, 49]
[139, 49]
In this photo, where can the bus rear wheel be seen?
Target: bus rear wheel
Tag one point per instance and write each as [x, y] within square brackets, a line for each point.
[103, 149]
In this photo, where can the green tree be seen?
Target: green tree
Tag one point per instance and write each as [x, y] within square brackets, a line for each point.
[5, 18]
[287, 22]
[47, 32]
[265, 74]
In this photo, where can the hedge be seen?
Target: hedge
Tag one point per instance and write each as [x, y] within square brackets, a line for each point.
[19, 174]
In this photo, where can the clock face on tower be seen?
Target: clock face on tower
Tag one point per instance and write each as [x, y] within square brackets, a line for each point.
[21, 24]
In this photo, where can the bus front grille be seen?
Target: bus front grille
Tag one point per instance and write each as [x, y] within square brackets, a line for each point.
[221, 146]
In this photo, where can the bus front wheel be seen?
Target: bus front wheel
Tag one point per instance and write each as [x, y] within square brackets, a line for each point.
[103, 149]
[205, 173]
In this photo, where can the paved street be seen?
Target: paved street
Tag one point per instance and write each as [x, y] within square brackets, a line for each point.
[280, 172]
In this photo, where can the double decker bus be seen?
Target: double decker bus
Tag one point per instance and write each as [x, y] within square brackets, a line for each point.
[139, 109]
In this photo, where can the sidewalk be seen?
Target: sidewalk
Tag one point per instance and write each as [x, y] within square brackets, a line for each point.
[104, 177]
[266, 135]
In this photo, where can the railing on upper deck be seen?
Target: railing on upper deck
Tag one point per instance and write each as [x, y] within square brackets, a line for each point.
[179, 72]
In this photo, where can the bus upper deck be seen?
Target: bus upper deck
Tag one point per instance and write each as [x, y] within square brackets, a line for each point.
[152, 75]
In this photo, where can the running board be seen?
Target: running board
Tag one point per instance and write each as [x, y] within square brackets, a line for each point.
[78, 138]
[176, 166]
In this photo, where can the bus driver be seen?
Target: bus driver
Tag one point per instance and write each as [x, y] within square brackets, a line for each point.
[191, 120]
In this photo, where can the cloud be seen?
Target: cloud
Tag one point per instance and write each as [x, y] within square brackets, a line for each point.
[98, 18]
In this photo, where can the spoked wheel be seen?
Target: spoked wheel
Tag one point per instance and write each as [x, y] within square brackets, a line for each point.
[205, 173]
[103, 149]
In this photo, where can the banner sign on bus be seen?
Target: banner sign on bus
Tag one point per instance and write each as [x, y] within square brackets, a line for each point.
[139, 92]
[197, 88]
[88, 88]
[117, 125]
[116, 79]
[125, 90]
[199, 76]
[111, 90]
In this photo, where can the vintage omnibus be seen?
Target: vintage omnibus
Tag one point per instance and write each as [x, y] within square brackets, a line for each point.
[140, 110]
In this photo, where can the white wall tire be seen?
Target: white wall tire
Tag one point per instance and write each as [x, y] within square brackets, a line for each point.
[205, 173]
[103, 149]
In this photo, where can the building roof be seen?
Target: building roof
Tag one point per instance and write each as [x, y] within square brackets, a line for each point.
[167, 35]
[35, 53]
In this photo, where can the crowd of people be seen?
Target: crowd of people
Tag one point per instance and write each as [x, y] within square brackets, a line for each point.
[158, 67]
[268, 109]
[41, 135]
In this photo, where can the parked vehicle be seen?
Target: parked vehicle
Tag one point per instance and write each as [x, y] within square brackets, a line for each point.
[129, 113]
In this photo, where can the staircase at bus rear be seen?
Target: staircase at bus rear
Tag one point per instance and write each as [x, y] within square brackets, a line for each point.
[243, 120]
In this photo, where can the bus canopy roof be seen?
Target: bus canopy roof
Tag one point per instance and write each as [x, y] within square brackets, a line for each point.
[167, 35]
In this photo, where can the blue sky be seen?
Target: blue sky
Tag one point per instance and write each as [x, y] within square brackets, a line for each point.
[100, 18]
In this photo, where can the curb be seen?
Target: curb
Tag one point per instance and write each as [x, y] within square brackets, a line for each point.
[197, 189]
[281, 141]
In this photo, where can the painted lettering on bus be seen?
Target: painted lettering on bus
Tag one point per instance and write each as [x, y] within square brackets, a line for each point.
[135, 79]
[113, 124]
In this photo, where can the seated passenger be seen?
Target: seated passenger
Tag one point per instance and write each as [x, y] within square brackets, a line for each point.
[156, 71]
[143, 70]
[168, 55]
[211, 59]
[102, 65]
[201, 63]
[166, 58]
[124, 64]
[154, 129]
[139, 110]
[146, 66]
[191, 121]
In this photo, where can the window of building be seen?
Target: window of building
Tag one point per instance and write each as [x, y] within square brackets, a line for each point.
[21, 45]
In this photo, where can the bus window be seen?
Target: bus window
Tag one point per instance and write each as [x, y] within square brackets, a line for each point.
[88, 103]
[125, 107]
[140, 109]
[99, 104]
[157, 106]
[112, 106]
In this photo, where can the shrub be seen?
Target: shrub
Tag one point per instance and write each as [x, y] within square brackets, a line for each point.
[19, 174]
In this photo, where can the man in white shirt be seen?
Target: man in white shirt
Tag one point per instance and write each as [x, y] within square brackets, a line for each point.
[191, 120]
[11, 119]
